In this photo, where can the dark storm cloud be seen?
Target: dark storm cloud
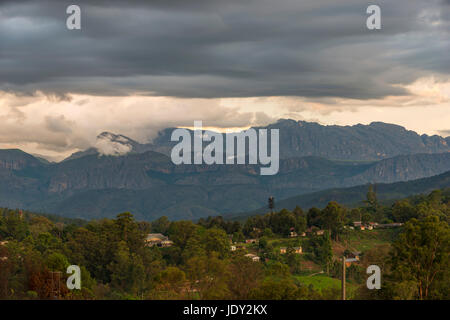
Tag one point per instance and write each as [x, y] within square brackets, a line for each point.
[221, 48]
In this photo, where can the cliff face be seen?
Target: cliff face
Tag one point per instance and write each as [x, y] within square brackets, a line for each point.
[360, 142]
[151, 169]
[404, 168]
[102, 172]
[150, 185]
[15, 159]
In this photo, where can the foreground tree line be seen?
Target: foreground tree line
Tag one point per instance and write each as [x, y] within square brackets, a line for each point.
[116, 263]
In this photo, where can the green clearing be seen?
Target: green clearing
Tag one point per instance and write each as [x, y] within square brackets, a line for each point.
[322, 281]
[367, 239]
[319, 281]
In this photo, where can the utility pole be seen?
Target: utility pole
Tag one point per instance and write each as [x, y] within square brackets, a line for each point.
[343, 278]
[271, 204]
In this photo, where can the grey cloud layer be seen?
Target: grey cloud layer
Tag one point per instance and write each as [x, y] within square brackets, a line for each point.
[222, 48]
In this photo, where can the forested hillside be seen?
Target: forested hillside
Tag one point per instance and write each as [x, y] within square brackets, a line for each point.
[281, 255]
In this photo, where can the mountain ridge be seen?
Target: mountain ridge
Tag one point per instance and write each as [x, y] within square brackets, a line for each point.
[375, 141]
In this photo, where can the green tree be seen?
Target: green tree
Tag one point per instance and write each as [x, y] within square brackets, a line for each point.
[216, 240]
[170, 283]
[263, 243]
[13, 226]
[277, 269]
[333, 219]
[371, 200]
[127, 270]
[238, 237]
[161, 225]
[57, 262]
[268, 233]
[129, 231]
[403, 211]
[180, 232]
[314, 218]
[321, 248]
[282, 222]
[420, 254]
[301, 218]
[275, 289]
[209, 275]
[245, 275]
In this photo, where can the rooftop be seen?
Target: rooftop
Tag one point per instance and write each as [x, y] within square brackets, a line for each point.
[156, 237]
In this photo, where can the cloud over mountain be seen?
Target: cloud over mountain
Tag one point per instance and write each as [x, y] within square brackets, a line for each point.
[139, 66]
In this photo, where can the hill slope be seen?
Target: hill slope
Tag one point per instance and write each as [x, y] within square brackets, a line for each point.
[355, 195]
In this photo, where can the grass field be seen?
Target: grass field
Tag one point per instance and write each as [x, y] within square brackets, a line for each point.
[367, 239]
[322, 281]
[319, 281]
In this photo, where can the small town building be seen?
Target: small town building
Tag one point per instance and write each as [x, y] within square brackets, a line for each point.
[166, 243]
[389, 225]
[283, 250]
[252, 256]
[365, 226]
[298, 250]
[314, 230]
[157, 239]
[355, 255]
[251, 241]
[233, 248]
[349, 261]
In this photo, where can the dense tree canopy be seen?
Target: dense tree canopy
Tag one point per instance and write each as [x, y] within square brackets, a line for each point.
[210, 259]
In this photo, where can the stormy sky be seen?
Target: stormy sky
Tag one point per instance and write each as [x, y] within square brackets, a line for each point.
[138, 66]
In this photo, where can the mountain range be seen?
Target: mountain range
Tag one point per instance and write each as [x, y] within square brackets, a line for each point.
[120, 174]
[371, 142]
